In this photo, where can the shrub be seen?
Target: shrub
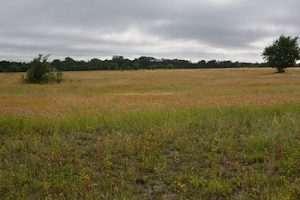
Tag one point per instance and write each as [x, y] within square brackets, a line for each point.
[40, 71]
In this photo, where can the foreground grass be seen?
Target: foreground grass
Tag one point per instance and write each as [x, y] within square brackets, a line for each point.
[227, 153]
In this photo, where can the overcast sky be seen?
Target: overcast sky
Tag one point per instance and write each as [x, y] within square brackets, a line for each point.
[187, 29]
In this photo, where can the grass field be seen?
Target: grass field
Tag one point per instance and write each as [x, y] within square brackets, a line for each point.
[163, 134]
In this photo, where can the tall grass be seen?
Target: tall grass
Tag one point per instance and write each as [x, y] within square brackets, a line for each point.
[227, 153]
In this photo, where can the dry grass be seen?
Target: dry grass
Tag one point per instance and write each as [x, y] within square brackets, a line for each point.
[92, 92]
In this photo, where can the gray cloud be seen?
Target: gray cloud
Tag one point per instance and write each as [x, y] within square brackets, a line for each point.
[190, 29]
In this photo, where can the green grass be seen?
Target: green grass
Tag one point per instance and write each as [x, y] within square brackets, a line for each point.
[225, 153]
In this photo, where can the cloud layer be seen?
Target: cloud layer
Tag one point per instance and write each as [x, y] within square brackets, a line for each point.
[190, 29]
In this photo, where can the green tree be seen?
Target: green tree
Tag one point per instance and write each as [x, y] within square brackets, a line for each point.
[283, 53]
[41, 71]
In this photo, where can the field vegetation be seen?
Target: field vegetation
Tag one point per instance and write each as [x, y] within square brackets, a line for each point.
[164, 134]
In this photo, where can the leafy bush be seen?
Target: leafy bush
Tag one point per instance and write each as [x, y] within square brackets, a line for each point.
[41, 71]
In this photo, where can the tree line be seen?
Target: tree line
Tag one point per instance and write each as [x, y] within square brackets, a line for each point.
[121, 63]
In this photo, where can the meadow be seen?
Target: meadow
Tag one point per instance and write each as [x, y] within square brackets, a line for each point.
[161, 134]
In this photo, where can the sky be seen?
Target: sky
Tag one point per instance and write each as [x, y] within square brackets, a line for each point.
[236, 30]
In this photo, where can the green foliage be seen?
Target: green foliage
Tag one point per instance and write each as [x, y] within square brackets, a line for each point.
[121, 63]
[283, 53]
[41, 71]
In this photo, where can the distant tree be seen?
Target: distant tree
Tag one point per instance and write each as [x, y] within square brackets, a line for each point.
[119, 61]
[136, 65]
[202, 63]
[57, 64]
[146, 62]
[212, 63]
[41, 71]
[283, 53]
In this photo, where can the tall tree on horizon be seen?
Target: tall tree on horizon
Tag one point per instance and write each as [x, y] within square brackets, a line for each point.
[283, 53]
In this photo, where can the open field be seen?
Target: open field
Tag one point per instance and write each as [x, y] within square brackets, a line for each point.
[163, 134]
[93, 92]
